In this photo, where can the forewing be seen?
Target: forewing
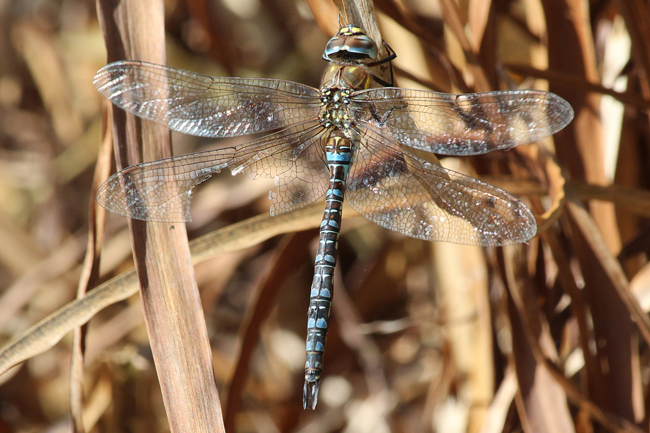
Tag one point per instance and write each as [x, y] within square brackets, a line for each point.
[298, 167]
[466, 124]
[403, 193]
[202, 105]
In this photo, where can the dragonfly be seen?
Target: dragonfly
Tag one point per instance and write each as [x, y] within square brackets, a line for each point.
[356, 137]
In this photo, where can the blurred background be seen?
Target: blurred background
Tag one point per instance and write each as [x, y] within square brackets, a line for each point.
[426, 337]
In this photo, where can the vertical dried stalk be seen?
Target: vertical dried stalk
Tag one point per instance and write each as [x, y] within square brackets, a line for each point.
[173, 313]
[362, 13]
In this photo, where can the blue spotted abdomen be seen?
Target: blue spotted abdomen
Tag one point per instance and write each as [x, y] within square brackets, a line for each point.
[338, 151]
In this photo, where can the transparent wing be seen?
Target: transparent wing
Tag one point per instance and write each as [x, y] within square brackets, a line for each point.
[298, 166]
[467, 124]
[202, 105]
[161, 190]
[406, 194]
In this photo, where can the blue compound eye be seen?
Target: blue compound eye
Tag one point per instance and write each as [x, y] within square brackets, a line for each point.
[351, 43]
[361, 46]
[334, 46]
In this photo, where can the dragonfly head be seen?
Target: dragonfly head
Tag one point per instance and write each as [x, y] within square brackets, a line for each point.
[350, 44]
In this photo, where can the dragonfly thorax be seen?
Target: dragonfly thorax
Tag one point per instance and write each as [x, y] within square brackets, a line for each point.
[355, 77]
[338, 84]
[335, 108]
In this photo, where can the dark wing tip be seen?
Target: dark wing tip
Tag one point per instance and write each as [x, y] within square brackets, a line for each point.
[520, 227]
[560, 112]
[106, 73]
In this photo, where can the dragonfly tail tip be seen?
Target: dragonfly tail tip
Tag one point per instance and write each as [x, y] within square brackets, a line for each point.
[310, 395]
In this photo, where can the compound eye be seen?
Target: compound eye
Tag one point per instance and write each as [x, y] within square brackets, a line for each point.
[334, 46]
[362, 47]
[352, 47]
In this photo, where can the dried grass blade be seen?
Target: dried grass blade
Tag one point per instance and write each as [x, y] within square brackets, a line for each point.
[90, 271]
[614, 312]
[542, 402]
[49, 331]
[635, 200]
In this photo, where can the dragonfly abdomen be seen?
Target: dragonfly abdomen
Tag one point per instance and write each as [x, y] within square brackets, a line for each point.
[338, 151]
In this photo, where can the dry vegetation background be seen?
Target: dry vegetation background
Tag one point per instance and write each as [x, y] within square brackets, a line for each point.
[551, 336]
